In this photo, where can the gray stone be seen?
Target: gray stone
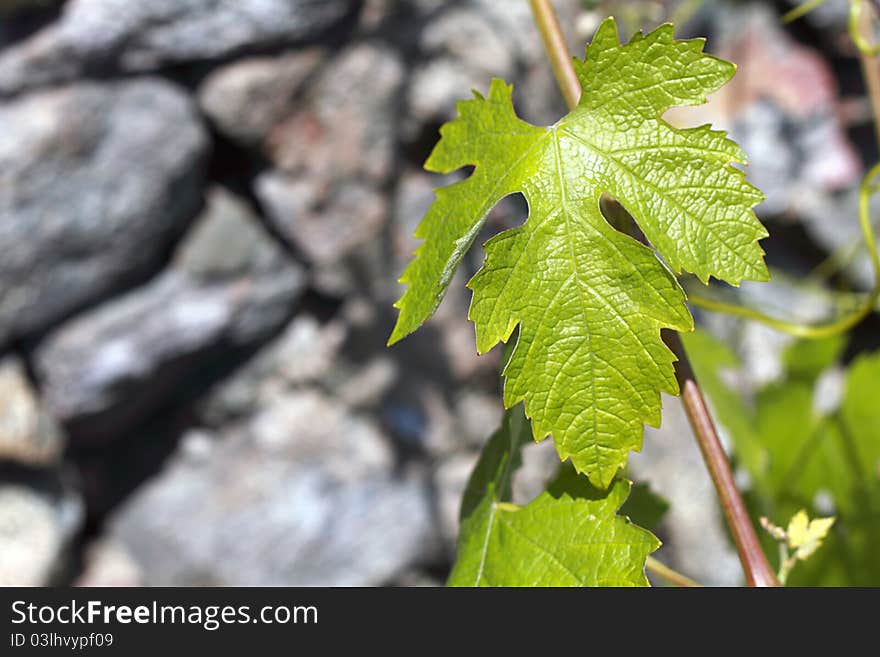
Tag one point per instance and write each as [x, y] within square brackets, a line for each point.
[36, 530]
[345, 127]
[450, 479]
[515, 22]
[412, 199]
[333, 156]
[468, 35]
[327, 223]
[303, 493]
[120, 35]
[230, 286]
[466, 46]
[438, 431]
[436, 86]
[96, 179]
[479, 415]
[306, 353]
[417, 578]
[247, 98]
[365, 387]
[107, 563]
[28, 434]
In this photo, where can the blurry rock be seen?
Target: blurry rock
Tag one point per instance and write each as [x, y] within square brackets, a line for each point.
[540, 102]
[327, 221]
[247, 98]
[28, 434]
[464, 50]
[479, 415]
[465, 47]
[440, 434]
[227, 240]
[450, 480]
[459, 347]
[346, 125]
[760, 347]
[97, 179]
[416, 578]
[322, 125]
[435, 88]
[367, 386]
[412, 199]
[762, 131]
[113, 35]
[35, 533]
[515, 22]
[301, 494]
[230, 286]
[466, 34]
[107, 563]
[306, 353]
[334, 155]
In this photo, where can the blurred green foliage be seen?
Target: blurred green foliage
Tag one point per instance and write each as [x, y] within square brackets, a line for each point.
[803, 448]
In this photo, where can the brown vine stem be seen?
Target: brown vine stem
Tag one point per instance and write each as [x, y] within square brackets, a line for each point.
[557, 51]
[754, 562]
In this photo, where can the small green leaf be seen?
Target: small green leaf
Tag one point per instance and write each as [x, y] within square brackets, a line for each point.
[590, 301]
[567, 536]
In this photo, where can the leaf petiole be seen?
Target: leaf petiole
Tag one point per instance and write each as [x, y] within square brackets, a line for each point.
[672, 576]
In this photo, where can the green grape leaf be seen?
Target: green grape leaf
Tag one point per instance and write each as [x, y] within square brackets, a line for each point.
[589, 300]
[570, 535]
